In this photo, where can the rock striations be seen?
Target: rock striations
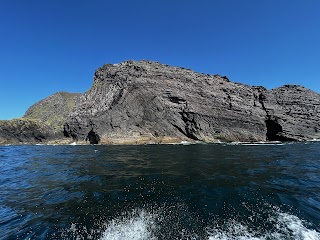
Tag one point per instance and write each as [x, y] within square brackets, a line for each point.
[148, 102]
[23, 130]
[141, 102]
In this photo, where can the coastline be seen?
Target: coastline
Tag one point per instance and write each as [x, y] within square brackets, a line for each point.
[153, 141]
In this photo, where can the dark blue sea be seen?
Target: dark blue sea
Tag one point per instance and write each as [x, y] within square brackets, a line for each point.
[151, 192]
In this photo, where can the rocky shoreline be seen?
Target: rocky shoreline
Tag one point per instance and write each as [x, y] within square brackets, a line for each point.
[144, 102]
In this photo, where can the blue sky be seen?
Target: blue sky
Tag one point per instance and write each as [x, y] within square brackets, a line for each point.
[54, 45]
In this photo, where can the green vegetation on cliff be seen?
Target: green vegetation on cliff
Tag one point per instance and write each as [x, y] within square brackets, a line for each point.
[54, 109]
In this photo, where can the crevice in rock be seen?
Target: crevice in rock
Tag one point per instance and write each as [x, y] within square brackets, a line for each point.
[117, 97]
[176, 99]
[261, 98]
[274, 131]
[230, 102]
[179, 129]
[39, 138]
[190, 125]
[93, 137]
[66, 130]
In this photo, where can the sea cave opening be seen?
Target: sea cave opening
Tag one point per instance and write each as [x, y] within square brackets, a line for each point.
[93, 137]
[274, 131]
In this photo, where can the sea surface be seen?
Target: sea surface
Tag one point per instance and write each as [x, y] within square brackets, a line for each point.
[151, 192]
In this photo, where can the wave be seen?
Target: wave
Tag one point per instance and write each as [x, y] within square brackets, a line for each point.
[268, 143]
[285, 226]
[140, 226]
[170, 223]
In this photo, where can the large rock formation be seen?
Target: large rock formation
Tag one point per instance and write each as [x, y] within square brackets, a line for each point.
[144, 102]
[137, 102]
[54, 109]
[42, 123]
[21, 130]
[292, 113]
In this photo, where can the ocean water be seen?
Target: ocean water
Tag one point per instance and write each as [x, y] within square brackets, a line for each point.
[151, 192]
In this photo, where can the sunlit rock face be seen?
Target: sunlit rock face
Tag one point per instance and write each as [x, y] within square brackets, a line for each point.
[293, 113]
[143, 102]
[22, 130]
[54, 109]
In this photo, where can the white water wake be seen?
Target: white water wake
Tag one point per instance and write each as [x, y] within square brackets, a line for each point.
[286, 226]
[143, 225]
[139, 226]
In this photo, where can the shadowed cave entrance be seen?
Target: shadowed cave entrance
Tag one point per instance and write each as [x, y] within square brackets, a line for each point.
[93, 137]
[274, 132]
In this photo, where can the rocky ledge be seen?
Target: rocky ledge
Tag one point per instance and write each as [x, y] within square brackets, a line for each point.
[19, 131]
[148, 102]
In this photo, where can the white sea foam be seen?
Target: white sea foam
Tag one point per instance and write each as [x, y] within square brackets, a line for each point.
[292, 225]
[314, 140]
[262, 144]
[286, 226]
[139, 226]
[272, 143]
[186, 143]
[143, 225]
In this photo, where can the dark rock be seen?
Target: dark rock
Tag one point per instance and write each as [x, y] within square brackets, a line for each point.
[296, 112]
[19, 131]
[148, 101]
[42, 123]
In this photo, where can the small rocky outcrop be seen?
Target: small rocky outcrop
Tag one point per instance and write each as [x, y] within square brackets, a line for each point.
[137, 102]
[54, 109]
[18, 131]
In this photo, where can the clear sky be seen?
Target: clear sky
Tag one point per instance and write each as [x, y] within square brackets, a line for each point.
[53, 45]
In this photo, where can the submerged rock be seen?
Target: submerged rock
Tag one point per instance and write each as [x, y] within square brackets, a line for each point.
[140, 102]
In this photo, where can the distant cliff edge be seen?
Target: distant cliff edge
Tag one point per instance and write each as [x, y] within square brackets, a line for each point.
[148, 102]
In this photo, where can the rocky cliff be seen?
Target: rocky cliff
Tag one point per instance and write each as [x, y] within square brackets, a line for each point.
[137, 102]
[149, 102]
[292, 113]
[24, 130]
[42, 123]
[53, 110]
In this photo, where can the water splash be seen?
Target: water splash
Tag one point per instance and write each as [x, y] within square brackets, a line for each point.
[138, 226]
[285, 227]
[143, 225]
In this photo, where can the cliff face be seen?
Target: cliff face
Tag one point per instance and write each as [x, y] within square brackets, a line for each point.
[21, 130]
[145, 102]
[293, 113]
[42, 123]
[150, 102]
